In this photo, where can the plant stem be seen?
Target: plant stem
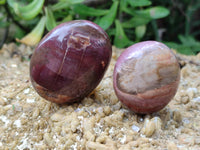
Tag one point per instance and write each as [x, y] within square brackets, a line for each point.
[5, 35]
[187, 22]
[155, 28]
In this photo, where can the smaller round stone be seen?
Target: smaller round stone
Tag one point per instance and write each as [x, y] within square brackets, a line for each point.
[146, 76]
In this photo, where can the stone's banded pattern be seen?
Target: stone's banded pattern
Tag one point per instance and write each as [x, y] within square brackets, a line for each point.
[146, 76]
[154, 68]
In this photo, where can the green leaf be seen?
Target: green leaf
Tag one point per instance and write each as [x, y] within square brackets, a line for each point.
[3, 21]
[153, 12]
[120, 40]
[139, 3]
[185, 50]
[89, 11]
[123, 5]
[35, 35]
[190, 42]
[50, 20]
[106, 21]
[188, 46]
[3, 24]
[180, 48]
[63, 4]
[73, 1]
[2, 2]
[158, 12]
[19, 33]
[26, 12]
[66, 19]
[135, 22]
[187, 40]
[60, 5]
[140, 32]
[129, 11]
[111, 32]
[11, 3]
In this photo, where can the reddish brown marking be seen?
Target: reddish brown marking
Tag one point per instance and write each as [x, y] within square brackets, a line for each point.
[103, 64]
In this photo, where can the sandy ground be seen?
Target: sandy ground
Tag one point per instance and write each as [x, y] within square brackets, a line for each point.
[100, 121]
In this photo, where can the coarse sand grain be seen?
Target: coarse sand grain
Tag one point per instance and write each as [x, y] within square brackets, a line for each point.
[99, 121]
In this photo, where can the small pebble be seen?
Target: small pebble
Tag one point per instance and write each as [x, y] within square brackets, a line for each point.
[17, 123]
[26, 91]
[36, 113]
[57, 117]
[186, 139]
[197, 100]
[149, 127]
[135, 128]
[2, 102]
[158, 122]
[177, 116]
[172, 146]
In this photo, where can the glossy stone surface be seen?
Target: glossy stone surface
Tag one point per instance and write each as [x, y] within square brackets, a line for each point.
[146, 77]
[70, 61]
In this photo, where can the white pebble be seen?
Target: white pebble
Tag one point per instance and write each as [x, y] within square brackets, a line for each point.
[135, 128]
[192, 89]
[18, 123]
[13, 65]
[197, 99]
[111, 131]
[186, 120]
[30, 100]
[5, 120]
[57, 117]
[123, 139]
[26, 91]
[24, 144]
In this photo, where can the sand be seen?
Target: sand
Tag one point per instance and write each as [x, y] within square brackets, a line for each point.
[99, 121]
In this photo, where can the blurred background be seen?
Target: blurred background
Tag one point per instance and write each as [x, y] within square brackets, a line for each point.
[174, 22]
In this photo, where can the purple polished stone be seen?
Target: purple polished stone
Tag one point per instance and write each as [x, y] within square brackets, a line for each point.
[146, 77]
[70, 61]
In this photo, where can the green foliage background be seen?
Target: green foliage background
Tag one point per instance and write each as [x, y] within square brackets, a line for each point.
[174, 22]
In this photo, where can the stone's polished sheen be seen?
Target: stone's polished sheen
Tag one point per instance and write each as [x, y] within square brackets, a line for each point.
[146, 77]
[70, 61]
